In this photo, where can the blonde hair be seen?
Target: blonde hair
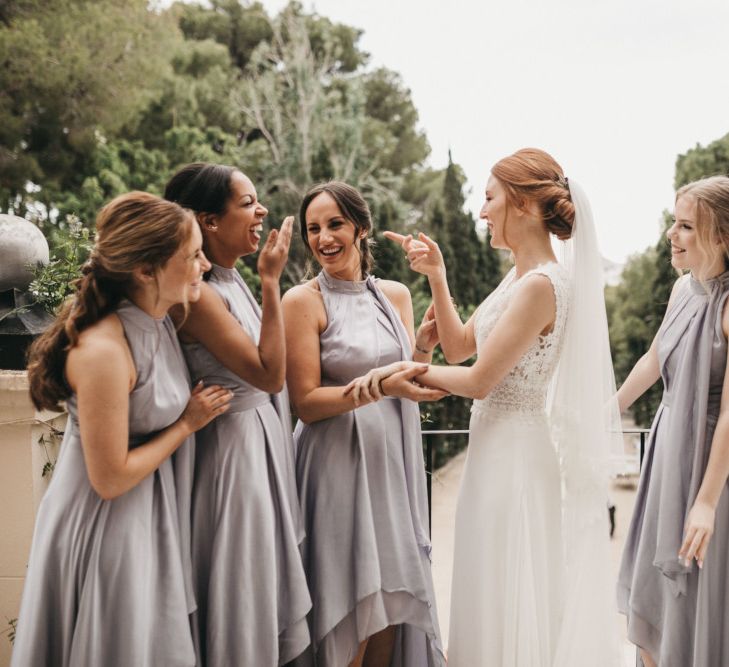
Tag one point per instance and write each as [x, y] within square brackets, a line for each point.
[711, 197]
[134, 230]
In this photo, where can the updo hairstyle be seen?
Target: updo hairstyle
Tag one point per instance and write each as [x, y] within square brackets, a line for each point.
[532, 175]
[203, 187]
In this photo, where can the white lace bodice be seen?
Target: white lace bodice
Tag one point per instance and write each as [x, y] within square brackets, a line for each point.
[524, 389]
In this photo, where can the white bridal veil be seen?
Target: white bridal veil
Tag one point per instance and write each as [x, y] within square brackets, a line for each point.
[586, 423]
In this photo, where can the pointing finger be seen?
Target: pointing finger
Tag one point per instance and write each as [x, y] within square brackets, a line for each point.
[394, 236]
[428, 241]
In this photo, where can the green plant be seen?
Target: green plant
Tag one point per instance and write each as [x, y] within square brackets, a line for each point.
[54, 281]
[11, 629]
[53, 438]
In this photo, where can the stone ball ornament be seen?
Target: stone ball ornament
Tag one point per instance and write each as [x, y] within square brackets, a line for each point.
[22, 246]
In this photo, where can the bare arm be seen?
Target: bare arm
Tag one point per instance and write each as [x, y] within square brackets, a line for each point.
[646, 371]
[103, 410]
[457, 340]
[399, 296]
[530, 313]
[305, 320]
[700, 521]
[644, 375]
[210, 323]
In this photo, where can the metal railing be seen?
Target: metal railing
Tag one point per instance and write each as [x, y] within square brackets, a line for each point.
[430, 435]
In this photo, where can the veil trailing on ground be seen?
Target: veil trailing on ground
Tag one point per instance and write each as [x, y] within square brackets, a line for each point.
[586, 425]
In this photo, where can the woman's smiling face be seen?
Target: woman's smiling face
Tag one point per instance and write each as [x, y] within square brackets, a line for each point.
[332, 238]
[240, 226]
[493, 212]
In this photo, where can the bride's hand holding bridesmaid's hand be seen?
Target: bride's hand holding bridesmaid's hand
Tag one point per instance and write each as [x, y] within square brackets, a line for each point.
[205, 404]
[403, 384]
[426, 337]
[275, 251]
[396, 380]
[366, 388]
[698, 532]
[423, 253]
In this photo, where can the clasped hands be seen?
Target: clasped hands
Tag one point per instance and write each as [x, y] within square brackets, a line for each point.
[396, 379]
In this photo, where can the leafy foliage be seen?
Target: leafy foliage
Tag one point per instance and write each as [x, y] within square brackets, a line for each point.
[54, 282]
[99, 98]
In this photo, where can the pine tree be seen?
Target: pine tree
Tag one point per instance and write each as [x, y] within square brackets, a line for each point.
[475, 267]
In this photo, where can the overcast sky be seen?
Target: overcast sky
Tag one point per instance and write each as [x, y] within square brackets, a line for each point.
[615, 90]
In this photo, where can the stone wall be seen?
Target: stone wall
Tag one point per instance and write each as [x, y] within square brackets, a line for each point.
[22, 484]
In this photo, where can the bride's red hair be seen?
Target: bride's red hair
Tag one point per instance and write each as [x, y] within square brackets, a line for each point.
[532, 175]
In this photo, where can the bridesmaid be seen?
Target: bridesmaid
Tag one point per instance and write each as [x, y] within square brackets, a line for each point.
[673, 577]
[249, 580]
[360, 464]
[107, 580]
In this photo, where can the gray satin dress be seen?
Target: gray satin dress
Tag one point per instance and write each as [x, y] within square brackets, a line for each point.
[249, 580]
[108, 581]
[680, 614]
[362, 491]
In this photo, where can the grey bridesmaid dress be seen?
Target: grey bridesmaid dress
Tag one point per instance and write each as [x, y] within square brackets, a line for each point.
[249, 580]
[680, 614]
[362, 492]
[108, 581]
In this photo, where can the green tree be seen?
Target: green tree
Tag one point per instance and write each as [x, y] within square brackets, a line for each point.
[475, 266]
[702, 161]
[69, 71]
[631, 307]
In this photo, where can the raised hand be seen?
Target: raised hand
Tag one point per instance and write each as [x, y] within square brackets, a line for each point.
[426, 337]
[275, 252]
[205, 404]
[423, 253]
[407, 243]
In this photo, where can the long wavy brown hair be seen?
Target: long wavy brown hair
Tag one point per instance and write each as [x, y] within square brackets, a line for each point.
[134, 230]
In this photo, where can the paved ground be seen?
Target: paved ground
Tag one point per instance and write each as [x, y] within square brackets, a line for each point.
[445, 491]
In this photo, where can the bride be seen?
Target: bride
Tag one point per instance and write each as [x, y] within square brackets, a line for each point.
[531, 585]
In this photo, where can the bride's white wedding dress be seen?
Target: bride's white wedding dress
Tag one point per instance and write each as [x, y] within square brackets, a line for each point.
[506, 597]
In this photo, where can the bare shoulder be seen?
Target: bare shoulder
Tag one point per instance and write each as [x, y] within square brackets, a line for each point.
[537, 287]
[102, 346]
[398, 293]
[209, 303]
[303, 295]
[535, 300]
[305, 301]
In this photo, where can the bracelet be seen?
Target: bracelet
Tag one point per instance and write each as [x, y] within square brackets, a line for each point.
[379, 385]
[421, 350]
